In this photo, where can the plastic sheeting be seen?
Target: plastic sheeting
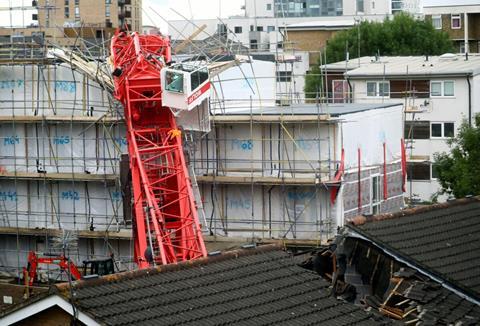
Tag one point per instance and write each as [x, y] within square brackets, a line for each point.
[268, 212]
[49, 90]
[61, 148]
[61, 205]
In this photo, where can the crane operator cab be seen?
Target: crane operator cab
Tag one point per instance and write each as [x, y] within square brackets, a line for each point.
[185, 86]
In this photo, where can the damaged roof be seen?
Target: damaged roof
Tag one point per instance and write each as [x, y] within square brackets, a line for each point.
[441, 240]
[260, 286]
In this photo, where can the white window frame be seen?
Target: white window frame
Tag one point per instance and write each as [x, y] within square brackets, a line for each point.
[455, 16]
[377, 88]
[431, 172]
[439, 17]
[379, 191]
[442, 88]
[442, 124]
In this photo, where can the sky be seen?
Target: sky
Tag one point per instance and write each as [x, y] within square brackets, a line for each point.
[197, 9]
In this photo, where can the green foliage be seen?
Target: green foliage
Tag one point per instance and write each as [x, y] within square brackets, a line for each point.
[459, 170]
[313, 82]
[403, 35]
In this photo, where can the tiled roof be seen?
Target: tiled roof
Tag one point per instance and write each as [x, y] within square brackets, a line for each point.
[263, 287]
[442, 239]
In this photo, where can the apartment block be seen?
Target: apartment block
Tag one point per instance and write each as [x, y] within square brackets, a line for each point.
[438, 94]
[460, 19]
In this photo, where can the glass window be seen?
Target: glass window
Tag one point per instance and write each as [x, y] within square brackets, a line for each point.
[259, 28]
[436, 88]
[77, 12]
[417, 129]
[67, 12]
[437, 22]
[436, 130]
[456, 22]
[448, 129]
[198, 77]
[434, 171]
[253, 44]
[238, 29]
[371, 89]
[269, 6]
[174, 81]
[107, 11]
[418, 171]
[360, 6]
[448, 88]
[384, 89]
[67, 2]
[270, 28]
[376, 194]
[284, 76]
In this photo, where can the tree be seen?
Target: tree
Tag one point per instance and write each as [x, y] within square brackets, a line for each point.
[459, 171]
[403, 35]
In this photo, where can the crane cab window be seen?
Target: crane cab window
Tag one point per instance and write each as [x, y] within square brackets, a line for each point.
[174, 81]
[198, 77]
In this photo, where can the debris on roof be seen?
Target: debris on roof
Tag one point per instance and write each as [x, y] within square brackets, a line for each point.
[442, 240]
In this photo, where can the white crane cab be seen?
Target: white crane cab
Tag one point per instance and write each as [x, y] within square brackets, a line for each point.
[185, 86]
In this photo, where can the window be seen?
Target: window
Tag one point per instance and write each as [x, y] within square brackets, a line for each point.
[77, 2]
[253, 44]
[418, 171]
[251, 28]
[360, 6]
[456, 21]
[238, 29]
[198, 77]
[378, 89]
[77, 12]
[107, 11]
[340, 91]
[442, 129]
[448, 88]
[108, 2]
[269, 6]
[259, 28]
[434, 171]
[417, 129]
[174, 81]
[67, 12]
[284, 76]
[437, 21]
[270, 28]
[67, 2]
[376, 194]
[442, 88]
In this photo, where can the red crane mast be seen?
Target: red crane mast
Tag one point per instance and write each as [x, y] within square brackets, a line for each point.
[166, 226]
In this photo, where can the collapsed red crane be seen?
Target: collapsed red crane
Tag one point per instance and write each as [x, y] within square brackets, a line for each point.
[166, 226]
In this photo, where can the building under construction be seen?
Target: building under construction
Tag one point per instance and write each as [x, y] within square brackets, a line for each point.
[263, 171]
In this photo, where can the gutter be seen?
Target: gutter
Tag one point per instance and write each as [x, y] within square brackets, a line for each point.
[354, 233]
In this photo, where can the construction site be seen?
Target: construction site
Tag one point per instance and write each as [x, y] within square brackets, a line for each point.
[125, 152]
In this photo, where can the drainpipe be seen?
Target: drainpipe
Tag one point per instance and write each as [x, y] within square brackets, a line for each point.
[350, 92]
[465, 29]
[469, 101]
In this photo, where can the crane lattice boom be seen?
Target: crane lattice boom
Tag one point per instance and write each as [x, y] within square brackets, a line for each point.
[166, 226]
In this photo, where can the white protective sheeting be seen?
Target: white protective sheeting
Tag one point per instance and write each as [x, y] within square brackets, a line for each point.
[368, 130]
[249, 83]
[49, 90]
[61, 205]
[61, 148]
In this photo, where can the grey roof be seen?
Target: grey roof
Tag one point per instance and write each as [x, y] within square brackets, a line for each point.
[260, 287]
[335, 110]
[443, 240]
[416, 66]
